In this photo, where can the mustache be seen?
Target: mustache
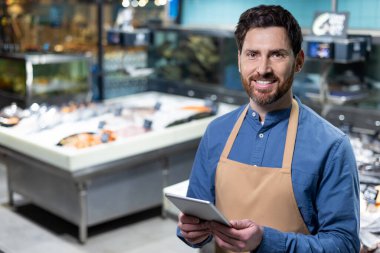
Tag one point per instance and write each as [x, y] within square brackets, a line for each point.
[265, 76]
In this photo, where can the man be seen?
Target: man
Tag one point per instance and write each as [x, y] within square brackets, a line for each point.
[284, 177]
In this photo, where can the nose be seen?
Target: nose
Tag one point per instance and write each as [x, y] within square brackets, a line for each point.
[263, 66]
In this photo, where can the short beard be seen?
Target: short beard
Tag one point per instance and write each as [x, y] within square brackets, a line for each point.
[262, 98]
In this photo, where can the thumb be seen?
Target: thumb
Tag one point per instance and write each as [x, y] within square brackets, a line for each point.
[242, 224]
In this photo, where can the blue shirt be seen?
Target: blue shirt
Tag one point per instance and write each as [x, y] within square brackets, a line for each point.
[324, 175]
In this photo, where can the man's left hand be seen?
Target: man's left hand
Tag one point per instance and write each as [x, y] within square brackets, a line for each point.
[243, 235]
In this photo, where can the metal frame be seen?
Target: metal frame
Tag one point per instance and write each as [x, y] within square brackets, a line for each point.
[98, 193]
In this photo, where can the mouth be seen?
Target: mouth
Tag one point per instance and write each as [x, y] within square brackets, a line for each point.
[263, 84]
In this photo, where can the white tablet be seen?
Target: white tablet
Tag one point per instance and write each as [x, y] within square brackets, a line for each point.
[202, 209]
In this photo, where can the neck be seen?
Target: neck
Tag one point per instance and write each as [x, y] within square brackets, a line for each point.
[282, 103]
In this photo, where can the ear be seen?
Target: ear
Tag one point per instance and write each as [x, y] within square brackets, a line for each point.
[300, 59]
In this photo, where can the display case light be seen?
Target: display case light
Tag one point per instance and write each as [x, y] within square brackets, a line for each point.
[143, 3]
[125, 3]
[160, 2]
[134, 3]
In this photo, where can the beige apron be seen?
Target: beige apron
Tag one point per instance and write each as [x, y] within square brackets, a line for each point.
[262, 194]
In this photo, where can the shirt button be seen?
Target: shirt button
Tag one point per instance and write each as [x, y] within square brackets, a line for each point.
[261, 135]
[253, 114]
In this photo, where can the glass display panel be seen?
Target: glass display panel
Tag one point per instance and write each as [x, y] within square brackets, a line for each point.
[193, 57]
[12, 76]
[60, 78]
[190, 58]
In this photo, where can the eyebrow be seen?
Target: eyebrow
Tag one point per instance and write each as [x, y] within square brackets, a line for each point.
[279, 50]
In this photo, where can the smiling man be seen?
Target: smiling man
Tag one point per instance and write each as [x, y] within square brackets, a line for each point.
[284, 177]
[267, 65]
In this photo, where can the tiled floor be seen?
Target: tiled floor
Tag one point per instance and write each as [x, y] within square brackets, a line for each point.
[29, 229]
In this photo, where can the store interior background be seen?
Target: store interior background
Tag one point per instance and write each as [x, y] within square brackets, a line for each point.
[362, 16]
[75, 25]
[213, 19]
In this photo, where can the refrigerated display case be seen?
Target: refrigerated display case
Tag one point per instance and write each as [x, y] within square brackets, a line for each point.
[44, 78]
[334, 69]
[119, 175]
[81, 26]
[197, 62]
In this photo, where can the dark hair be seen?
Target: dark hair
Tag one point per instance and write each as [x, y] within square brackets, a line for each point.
[269, 16]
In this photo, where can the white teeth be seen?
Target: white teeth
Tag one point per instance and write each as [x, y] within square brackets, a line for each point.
[263, 82]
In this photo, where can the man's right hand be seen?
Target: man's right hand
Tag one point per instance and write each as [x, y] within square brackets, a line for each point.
[193, 229]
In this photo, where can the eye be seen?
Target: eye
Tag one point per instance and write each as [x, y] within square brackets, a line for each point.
[251, 54]
[278, 55]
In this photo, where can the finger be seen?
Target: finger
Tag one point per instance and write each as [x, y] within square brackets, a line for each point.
[226, 238]
[195, 237]
[248, 237]
[188, 219]
[197, 240]
[203, 225]
[194, 227]
[226, 245]
[242, 224]
[221, 243]
[227, 231]
[237, 230]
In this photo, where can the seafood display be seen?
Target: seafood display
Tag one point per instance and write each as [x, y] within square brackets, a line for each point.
[76, 136]
[84, 140]
[85, 125]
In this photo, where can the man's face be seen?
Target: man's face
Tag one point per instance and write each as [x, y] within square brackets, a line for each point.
[267, 64]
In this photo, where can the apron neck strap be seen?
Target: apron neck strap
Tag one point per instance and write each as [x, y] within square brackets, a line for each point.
[290, 136]
[234, 132]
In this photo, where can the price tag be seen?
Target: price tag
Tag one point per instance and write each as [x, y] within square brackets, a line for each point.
[370, 194]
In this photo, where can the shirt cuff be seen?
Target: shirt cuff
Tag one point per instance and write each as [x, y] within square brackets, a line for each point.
[198, 245]
[273, 241]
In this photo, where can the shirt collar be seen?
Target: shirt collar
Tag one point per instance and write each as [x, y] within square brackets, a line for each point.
[271, 119]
